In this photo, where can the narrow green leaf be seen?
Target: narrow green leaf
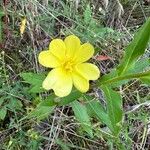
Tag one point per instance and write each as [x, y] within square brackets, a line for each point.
[3, 112]
[97, 109]
[82, 116]
[135, 49]
[114, 108]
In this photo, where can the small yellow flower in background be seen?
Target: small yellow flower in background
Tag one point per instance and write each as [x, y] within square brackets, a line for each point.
[23, 26]
[68, 60]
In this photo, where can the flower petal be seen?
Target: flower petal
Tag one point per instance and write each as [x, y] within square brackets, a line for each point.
[59, 81]
[85, 52]
[88, 71]
[79, 82]
[50, 80]
[58, 48]
[72, 44]
[47, 59]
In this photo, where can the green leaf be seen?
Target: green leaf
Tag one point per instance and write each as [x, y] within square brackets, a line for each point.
[45, 107]
[103, 31]
[146, 80]
[141, 65]
[49, 101]
[108, 77]
[14, 104]
[35, 80]
[82, 116]
[1, 100]
[114, 80]
[36, 88]
[114, 108]
[97, 109]
[87, 15]
[3, 112]
[1, 12]
[52, 100]
[74, 95]
[135, 49]
[41, 112]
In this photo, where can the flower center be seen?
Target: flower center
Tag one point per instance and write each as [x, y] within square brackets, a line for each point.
[68, 66]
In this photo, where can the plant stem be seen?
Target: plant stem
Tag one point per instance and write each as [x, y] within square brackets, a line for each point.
[125, 77]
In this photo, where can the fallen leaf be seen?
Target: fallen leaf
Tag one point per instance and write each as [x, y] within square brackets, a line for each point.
[103, 57]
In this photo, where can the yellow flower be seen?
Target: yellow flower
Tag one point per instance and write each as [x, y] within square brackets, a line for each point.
[67, 58]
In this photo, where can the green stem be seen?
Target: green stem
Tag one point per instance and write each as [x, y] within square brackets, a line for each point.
[125, 77]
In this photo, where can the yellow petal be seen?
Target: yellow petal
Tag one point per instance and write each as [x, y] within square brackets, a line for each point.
[80, 82]
[59, 81]
[58, 48]
[88, 71]
[85, 52]
[63, 86]
[72, 44]
[47, 59]
[50, 80]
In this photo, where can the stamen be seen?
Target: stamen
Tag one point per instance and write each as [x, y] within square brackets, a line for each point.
[68, 66]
